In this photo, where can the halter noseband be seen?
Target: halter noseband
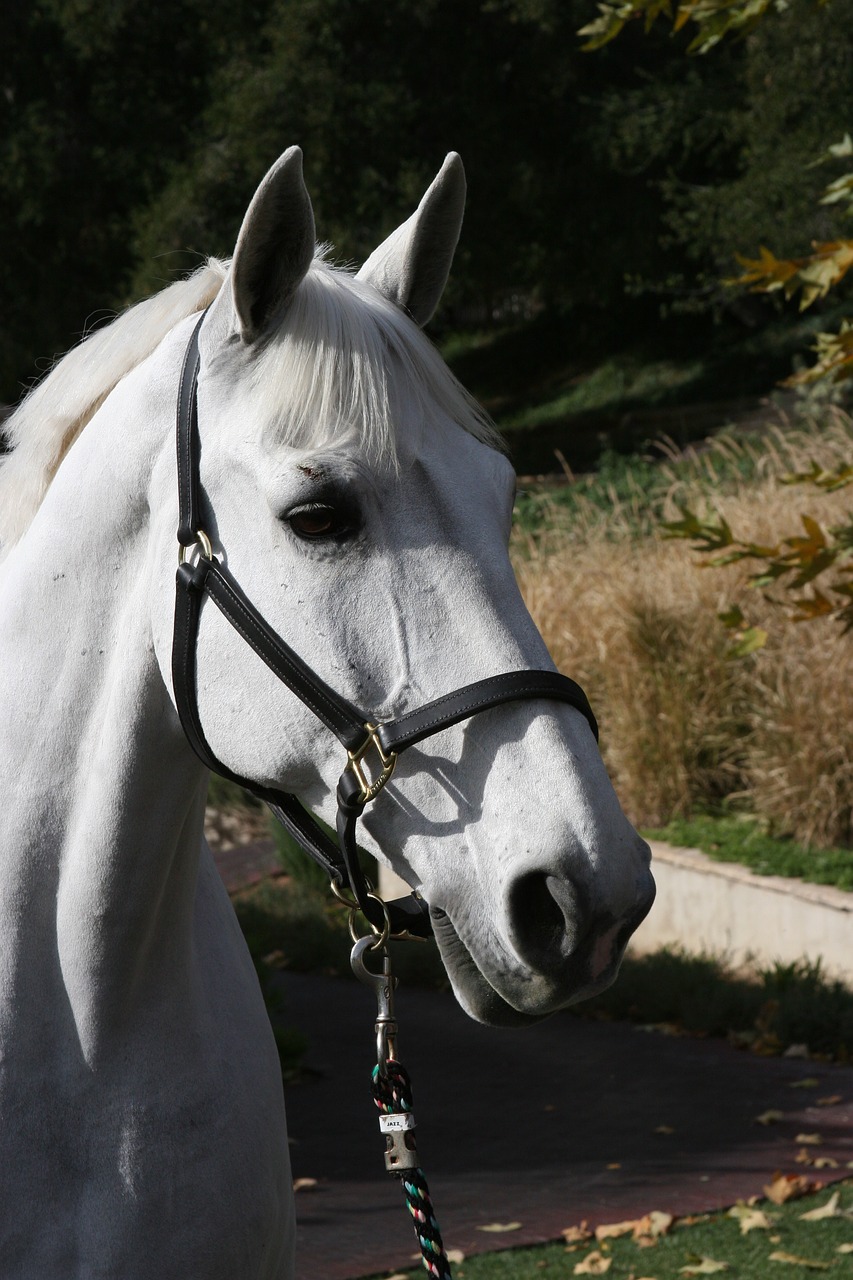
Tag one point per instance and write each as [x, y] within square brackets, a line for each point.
[353, 729]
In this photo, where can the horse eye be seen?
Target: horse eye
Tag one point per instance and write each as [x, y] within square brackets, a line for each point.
[317, 522]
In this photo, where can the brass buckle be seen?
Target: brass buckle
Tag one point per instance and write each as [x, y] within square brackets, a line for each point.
[370, 790]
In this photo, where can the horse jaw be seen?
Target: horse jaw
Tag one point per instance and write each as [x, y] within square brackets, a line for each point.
[484, 1003]
[475, 994]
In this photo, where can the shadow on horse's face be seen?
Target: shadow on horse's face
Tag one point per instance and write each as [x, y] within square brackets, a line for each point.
[362, 506]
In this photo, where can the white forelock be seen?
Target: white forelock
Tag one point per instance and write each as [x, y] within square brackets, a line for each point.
[347, 363]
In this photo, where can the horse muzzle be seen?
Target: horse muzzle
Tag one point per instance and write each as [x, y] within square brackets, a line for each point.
[558, 951]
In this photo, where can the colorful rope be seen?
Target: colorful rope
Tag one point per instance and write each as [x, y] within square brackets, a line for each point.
[392, 1093]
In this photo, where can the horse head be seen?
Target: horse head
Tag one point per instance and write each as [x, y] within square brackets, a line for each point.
[364, 503]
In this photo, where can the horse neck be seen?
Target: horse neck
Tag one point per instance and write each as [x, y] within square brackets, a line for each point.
[100, 836]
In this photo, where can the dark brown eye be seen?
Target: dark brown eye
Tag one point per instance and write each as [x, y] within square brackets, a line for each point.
[318, 521]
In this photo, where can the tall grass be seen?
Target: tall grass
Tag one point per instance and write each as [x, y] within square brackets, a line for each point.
[634, 618]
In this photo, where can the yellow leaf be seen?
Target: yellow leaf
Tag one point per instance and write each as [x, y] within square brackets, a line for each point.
[808, 1082]
[455, 1255]
[612, 1230]
[809, 1139]
[659, 1222]
[574, 1235]
[497, 1227]
[844, 1248]
[594, 1264]
[779, 1255]
[749, 1218]
[787, 1186]
[304, 1184]
[828, 1210]
[703, 1267]
[769, 1117]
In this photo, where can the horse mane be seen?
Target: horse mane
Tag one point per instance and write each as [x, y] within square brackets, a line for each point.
[325, 375]
[50, 418]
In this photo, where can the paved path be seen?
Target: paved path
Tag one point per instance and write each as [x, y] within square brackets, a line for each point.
[547, 1126]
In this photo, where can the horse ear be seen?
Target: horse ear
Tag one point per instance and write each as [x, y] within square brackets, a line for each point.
[411, 267]
[275, 247]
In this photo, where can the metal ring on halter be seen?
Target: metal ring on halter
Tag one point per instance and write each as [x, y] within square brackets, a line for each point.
[345, 895]
[202, 541]
[381, 935]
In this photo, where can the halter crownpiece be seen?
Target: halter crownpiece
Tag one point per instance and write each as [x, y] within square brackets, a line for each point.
[356, 731]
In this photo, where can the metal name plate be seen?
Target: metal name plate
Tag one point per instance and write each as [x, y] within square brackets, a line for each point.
[397, 1122]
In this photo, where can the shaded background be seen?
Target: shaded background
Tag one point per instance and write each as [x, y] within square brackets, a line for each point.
[608, 192]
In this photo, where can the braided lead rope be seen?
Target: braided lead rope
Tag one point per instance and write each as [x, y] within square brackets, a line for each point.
[392, 1093]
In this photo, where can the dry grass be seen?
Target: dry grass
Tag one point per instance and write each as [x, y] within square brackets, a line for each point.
[634, 619]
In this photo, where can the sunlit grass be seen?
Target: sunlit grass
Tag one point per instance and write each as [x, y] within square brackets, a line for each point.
[742, 838]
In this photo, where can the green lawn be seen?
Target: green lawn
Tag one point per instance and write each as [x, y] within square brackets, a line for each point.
[779, 1243]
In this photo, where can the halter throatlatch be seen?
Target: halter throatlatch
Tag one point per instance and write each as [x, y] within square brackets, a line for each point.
[205, 575]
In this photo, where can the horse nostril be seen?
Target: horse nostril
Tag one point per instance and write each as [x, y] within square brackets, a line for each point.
[543, 915]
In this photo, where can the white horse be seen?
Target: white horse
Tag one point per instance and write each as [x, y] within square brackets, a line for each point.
[364, 503]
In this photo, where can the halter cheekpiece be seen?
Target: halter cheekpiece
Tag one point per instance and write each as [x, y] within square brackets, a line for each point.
[360, 735]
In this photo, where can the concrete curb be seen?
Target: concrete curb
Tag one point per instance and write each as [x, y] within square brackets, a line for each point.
[723, 909]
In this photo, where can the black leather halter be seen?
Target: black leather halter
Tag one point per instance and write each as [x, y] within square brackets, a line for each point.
[352, 727]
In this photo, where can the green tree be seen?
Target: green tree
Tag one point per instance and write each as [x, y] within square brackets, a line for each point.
[797, 561]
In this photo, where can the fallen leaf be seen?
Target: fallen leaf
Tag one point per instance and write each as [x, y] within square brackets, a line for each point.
[398, 1275]
[808, 1082]
[825, 1162]
[828, 1210]
[804, 1156]
[770, 1117]
[304, 1184]
[749, 1218]
[613, 1230]
[616, 1165]
[659, 1223]
[664, 1128]
[844, 1248]
[809, 1139]
[497, 1227]
[573, 1235]
[831, 1101]
[702, 1267]
[787, 1186]
[779, 1255]
[796, 1051]
[594, 1264]
[455, 1255]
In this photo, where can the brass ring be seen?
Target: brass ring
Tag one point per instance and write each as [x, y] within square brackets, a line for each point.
[381, 935]
[202, 541]
[344, 894]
